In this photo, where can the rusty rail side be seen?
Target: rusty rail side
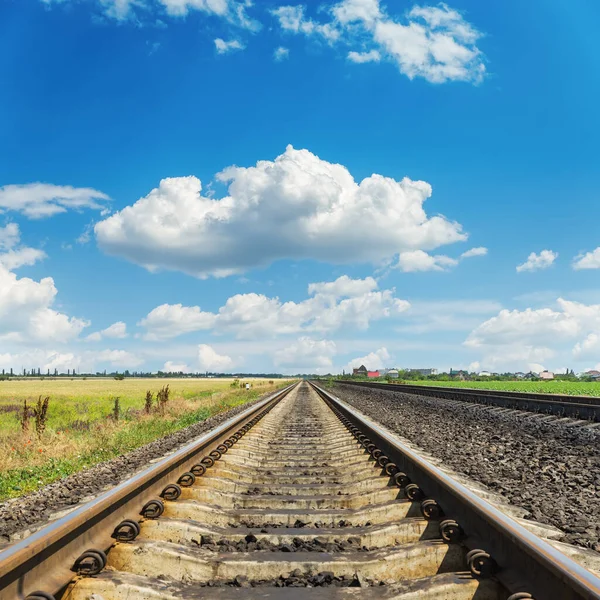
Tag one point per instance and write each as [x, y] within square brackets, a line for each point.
[526, 562]
[43, 560]
[578, 407]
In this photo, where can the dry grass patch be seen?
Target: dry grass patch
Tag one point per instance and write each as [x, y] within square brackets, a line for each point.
[77, 431]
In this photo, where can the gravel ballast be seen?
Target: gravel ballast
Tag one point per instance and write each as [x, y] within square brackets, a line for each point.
[29, 512]
[550, 469]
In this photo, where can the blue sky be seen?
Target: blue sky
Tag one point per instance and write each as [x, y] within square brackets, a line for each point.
[325, 167]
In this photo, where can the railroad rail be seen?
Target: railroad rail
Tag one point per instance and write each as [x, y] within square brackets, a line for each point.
[298, 492]
[576, 407]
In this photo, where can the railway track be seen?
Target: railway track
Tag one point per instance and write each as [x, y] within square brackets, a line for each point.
[299, 496]
[585, 409]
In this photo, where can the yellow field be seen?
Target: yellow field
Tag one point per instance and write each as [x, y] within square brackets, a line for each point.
[81, 429]
[88, 400]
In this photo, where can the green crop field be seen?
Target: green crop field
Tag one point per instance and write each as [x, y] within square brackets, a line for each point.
[571, 388]
[81, 429]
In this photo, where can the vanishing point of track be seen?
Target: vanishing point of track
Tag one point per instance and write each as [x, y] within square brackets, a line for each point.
[298, 496]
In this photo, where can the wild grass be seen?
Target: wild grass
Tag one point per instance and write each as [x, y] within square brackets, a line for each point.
[85, 425]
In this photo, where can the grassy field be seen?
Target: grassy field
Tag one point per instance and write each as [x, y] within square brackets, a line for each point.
[571, 388]
[81, 430]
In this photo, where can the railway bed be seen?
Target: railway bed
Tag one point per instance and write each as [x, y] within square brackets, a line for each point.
[298, 497]
[585, 410]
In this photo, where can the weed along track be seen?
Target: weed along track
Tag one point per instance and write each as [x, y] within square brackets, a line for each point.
[297, 496]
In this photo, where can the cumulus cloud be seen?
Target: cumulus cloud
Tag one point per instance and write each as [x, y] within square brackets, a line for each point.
[306, 355]
[432, 42]
[281, 53]
[364, 57]
[12, 254]
[171, 320]
[535, 262]
[534, 336]
[117, 330]
[210, 360]
[49, 360]
[372, 361]
[343, 303]
[40, 200]
[297, 206]
[171, 367]
[418, 260]
[224, 47]
[589, 260]
[26, 314]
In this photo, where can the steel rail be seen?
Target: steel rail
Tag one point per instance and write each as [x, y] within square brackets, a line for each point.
[43, 560]
[526, 562]
[579, 407]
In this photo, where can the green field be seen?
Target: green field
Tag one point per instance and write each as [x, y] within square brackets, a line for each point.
[81, 432]
[570, 388]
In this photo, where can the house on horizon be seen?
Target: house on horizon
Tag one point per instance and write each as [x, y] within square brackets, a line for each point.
[424, 372]
[373, 374]
[593, 373]
[360, 372]
[546, 375]
[393, 374]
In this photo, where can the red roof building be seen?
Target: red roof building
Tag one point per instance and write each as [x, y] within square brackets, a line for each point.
[372, 374]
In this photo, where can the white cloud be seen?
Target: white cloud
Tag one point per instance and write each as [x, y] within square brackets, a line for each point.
[343, 303]
[171, 367]
[233, 11]
[418, 260]
[297, 206]
[589, 260]
[589, 347]
[535, 336]
[117, 330]
[292, 19]
[224, 47]
[26, 314]
[343, 286]
[535, 262]
[48, 360]
[364, 57]
[479, 251]
[119, 359]
[40, 200]
[13, 259]
[45, 360]
[373, 361]
[432, 42]
[14, 255]
[171, 320]
[209, 360]
[10, 236]
[306, 355]
[281, 53]
[351, 11]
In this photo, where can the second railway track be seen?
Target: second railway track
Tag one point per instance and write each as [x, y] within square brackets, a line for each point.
[299, 493]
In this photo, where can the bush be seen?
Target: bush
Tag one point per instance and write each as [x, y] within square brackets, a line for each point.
[119, 377]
